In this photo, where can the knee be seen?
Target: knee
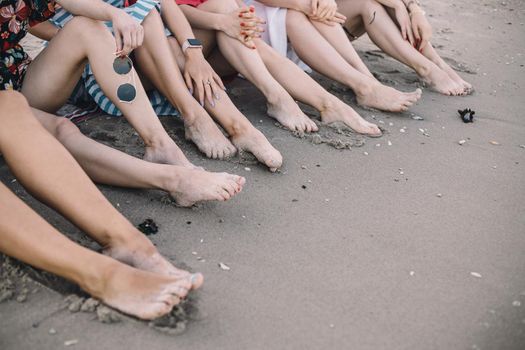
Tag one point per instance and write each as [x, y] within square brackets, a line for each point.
[64, 128]
[294, 16]
[13, 102]
[226, 6]
[369, 6]
[83, 26]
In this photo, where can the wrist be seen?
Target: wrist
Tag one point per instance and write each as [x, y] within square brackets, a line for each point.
[219, 24]
[114, 13]
[193, 52]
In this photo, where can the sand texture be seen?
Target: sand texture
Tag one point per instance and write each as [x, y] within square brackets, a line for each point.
[411, 241]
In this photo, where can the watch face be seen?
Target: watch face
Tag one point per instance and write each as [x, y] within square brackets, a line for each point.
[194, 42]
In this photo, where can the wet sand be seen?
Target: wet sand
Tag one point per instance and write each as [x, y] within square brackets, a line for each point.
[409, 241]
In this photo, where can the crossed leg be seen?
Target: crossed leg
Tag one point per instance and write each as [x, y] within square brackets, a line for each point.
[147, 286]
[327, 50]
[48, 85]
[243, 135]
[384, 33]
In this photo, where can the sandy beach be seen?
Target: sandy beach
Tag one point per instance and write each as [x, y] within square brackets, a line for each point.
[414, 240]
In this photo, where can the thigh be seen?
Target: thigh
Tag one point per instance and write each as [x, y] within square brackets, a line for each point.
[54, 73]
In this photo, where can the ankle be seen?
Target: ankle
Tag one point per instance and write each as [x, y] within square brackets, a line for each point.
[95, 276]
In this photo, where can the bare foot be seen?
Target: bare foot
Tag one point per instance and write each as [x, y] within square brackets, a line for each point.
[440, 81]
[168, 153]
[337, 111]
[252, 140]
[385, 98]
[467, 87]
[191, 186]
[140, 253]
[203, 131]
[286, 111]
[139, 293]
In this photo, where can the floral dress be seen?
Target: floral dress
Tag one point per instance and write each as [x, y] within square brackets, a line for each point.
[16, 16]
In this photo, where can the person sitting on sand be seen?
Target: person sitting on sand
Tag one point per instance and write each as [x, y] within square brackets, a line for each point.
[130, 275]
[47, 84]
[314, 35]
[156, 61]
[231, 38]
[400, 28]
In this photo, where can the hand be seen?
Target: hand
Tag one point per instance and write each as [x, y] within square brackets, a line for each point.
[338, 18]
[323, 9]
[403, 20]
[198, 73]
[421, 28]
[129, 34]
[243, 25]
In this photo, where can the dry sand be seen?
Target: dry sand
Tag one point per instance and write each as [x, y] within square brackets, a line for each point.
[414, 245]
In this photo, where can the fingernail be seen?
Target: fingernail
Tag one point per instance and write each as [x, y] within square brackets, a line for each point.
[217, 97]
[242, 24]
[252, 9]
[202, 104]
[225, 89]
[213, 103]
[191, 91]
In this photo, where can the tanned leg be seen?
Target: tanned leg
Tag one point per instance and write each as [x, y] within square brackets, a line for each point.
[109, 166]
[384, 33]
[157, 62]
[50, 174]
[48, 85]
[317, 52]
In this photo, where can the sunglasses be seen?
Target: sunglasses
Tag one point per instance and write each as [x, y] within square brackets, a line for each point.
[126, 92]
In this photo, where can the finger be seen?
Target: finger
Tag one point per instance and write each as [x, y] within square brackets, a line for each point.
[127, 43]
[133, 40]
[217, 86]
[340, 16]
[200, 91]
[410, 35]
[189, 83]
[404, 32]
[208, 92]
[314, 4]
[416, 32]
[118, 40]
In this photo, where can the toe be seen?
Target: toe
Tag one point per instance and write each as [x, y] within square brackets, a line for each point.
[196, 279]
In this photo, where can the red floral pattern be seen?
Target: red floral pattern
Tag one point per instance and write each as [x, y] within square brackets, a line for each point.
[16, 16]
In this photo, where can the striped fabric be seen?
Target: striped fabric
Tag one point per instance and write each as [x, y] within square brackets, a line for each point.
[138, 11]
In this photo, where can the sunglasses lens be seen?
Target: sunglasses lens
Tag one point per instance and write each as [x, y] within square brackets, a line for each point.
[122, 65]
[126, 92]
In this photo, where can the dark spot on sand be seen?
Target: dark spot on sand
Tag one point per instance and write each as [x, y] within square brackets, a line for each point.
[303, 187]
[188, 222]
[148, 227]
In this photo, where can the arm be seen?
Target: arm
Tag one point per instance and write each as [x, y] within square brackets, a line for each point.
[197, 71]
[241, 24]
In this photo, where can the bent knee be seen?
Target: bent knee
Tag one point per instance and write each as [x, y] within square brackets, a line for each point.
[64, 128]
[224, 6]
[85, 26]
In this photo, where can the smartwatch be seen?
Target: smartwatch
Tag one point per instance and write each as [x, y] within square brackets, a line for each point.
[191, 43]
